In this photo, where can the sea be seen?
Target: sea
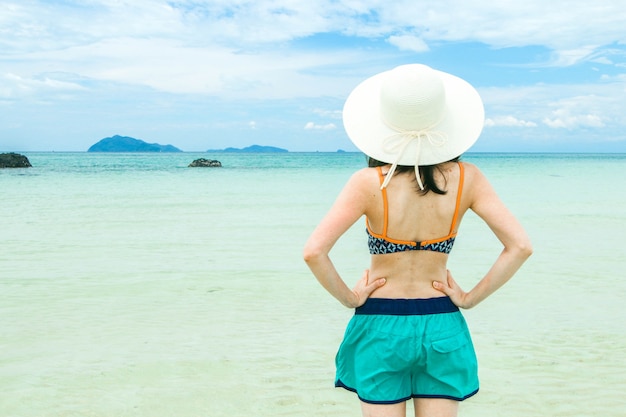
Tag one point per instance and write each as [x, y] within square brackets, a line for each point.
[134, 286]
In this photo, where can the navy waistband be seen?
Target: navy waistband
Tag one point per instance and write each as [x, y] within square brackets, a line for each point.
[407, 307]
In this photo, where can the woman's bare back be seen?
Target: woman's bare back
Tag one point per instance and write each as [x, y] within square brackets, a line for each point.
[414, 217]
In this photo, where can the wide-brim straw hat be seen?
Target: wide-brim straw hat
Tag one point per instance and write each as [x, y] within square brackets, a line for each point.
[413, 115]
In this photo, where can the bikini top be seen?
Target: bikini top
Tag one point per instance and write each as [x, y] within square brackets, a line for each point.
[382, 244]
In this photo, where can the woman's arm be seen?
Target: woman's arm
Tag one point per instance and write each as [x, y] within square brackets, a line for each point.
[517, 247]
[349, 206]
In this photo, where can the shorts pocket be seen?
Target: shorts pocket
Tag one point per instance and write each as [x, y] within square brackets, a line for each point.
[450, 344]
[452, 367]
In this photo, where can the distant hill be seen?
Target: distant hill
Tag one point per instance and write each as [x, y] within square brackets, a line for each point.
[127, 144]
[251, 149]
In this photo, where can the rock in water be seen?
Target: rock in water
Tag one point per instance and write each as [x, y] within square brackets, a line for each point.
[14, 160]
[205, 163]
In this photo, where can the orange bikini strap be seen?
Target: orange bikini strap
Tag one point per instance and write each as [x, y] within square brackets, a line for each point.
[458, 198]
[381, 177]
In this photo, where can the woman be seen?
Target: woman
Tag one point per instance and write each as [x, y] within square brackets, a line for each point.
[408, 339]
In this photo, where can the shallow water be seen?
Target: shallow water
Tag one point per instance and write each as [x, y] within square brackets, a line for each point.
[134, 286]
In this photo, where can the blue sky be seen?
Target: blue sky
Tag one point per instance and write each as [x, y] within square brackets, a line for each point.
[208, 74]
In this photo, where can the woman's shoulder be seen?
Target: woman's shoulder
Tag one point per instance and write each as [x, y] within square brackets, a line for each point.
[366, 174]
[471, 172]
[365, 180]
[476, 185]
[469, 166]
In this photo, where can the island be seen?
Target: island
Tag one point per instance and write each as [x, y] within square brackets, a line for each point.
[251, 149]
[119, 143]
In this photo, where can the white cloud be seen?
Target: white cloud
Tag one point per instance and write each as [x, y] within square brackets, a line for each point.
[559, 24]
[551, 111]
[508, 121]
[313, 126]
[242, 49]
[602, 60]
[570, 26]
[568, 57]
[563, 119]
[588, 110]
[408, 43]
[14, 86]
[331, 114]
[170, 66]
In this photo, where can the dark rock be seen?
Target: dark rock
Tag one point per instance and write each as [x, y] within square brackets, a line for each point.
[14, 160]
[206, 163]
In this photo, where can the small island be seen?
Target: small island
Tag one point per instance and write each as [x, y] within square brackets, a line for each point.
[252, 149]
[119, 143]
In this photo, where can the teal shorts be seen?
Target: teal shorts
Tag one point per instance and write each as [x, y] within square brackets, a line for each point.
[397, 349]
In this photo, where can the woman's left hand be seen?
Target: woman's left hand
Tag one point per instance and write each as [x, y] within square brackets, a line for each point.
[363, 288]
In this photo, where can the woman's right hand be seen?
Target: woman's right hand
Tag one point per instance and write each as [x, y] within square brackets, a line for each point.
[363, 289]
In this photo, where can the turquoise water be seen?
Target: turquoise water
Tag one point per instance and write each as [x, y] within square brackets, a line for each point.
[134, 286]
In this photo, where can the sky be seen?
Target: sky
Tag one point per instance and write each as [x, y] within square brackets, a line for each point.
[210, 74]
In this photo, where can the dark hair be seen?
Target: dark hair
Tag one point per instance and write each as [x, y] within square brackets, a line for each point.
[427, 174]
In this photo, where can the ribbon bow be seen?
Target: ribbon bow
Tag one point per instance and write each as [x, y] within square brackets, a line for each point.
[399, 142]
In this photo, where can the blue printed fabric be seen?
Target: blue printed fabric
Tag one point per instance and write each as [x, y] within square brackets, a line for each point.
[380, 246]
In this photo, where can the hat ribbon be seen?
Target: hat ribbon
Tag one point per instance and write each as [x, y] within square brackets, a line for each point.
[399, 142]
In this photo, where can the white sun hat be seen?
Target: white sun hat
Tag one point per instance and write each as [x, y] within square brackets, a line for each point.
[413, 115]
